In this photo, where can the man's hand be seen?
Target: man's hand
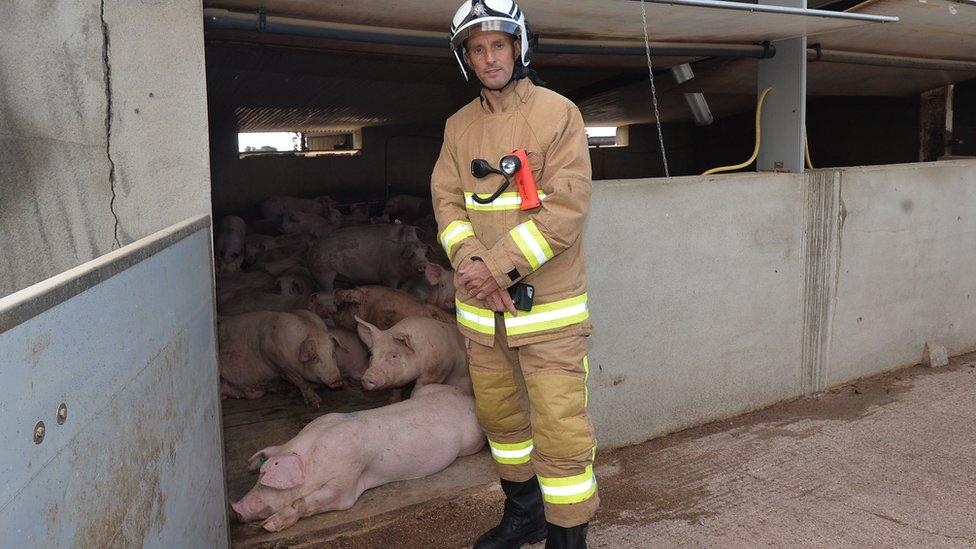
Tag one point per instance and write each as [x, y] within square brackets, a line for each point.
[500, 302]
[477, 281]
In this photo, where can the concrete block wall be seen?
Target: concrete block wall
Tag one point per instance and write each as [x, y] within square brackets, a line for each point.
[103, 129]
[712, 296]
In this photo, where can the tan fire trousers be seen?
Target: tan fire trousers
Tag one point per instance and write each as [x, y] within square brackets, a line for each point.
[531, 401]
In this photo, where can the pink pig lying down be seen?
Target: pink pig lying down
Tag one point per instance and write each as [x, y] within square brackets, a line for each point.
[258, 349]
[337, 457]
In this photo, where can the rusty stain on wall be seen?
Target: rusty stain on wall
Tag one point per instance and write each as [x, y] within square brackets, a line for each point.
[36, 347]
[122, 501]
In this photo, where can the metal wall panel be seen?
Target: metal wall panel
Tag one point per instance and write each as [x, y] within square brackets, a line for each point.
[127, 343]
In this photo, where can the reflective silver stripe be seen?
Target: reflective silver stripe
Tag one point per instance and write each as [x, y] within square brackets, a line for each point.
[511, 453]
[571, 490]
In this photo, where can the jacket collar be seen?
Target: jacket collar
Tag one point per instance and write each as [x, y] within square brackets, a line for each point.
[522, 92]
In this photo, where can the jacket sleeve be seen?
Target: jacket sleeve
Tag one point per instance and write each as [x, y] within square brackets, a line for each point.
[559, 221]
[455, 232]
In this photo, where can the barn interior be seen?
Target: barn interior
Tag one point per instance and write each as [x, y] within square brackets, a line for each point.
[367, 96]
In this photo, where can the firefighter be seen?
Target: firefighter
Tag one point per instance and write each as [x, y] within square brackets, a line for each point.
[528, 367]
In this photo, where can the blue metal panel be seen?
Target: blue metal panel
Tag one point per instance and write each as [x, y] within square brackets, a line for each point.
[138, 462]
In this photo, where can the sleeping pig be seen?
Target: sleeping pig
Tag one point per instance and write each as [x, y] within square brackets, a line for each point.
[307, 223]
[381, 306]
[416, 349]
[337, 457]
[257, 349]
[368, 254]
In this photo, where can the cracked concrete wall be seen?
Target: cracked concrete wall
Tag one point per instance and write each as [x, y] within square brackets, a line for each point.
[62, 128]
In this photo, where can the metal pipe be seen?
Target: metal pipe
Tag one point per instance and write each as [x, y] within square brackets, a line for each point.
[815, 53]
[670, 49]
[696, 100]
[257, 22]
[782, 10]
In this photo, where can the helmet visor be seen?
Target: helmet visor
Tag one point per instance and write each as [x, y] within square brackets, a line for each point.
[484, 24]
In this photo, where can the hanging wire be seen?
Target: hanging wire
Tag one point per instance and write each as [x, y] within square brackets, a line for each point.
[650, 73]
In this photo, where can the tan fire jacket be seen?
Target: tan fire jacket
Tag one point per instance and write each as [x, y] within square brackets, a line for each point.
[541, 247]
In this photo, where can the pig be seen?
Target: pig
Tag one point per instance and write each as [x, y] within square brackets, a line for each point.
[257, 349]
[358, 215]
[307, 223]
[264, 226]
[321, 304]
[230, 285]
[277, 206]
[416, 349]
[381, 306]
[337, 457]
[368, 254]
[229, 246]
[255, 245]
[275, 254]
[407, 208]
[351, 356]
[435, 286]
[296, 281]
[281, 266]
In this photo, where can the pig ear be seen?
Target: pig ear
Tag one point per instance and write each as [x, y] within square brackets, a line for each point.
[405, 340]
[408, 233]
[433, 272]
[257, 460]
[366, 332]
[283, 472]
[307, 352]
[338, 343]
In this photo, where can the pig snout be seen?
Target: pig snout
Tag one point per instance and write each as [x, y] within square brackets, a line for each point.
[250, 508]
[372, 380]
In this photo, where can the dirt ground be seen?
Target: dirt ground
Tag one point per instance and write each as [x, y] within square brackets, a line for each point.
[887, 461]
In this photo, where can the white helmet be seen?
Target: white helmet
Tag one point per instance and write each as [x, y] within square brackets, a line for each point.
[488, 15]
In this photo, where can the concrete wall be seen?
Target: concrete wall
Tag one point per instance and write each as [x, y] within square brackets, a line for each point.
[103, 129]
[906, 274]
[716, 295]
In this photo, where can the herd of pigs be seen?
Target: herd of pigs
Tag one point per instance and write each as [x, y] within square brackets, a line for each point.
[315, 293]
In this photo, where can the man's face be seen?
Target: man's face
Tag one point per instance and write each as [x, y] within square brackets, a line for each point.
[492, 55]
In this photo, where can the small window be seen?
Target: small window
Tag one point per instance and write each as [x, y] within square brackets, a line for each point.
[269, 142]
[606, 136]
[299, 143]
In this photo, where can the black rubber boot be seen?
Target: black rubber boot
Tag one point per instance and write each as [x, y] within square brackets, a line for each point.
[566, 538]
[524, 520]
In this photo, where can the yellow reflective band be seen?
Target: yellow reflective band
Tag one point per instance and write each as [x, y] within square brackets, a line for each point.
[476, 318]
[548, 316]
[586, 374]
[566, 490]
[455, 232]
[511, 454]
[534, 247]
[505, 201]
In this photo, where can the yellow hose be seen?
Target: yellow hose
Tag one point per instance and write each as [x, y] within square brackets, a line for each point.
[806, 150]
[755, 151]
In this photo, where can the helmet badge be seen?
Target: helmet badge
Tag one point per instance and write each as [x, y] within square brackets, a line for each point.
[478, 9]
